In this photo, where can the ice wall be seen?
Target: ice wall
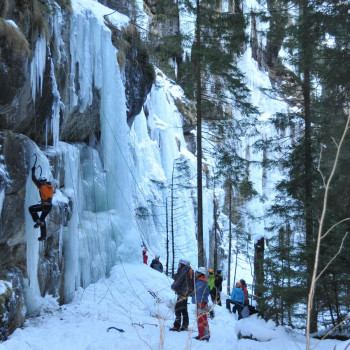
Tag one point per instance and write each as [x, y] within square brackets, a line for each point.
[119, 188]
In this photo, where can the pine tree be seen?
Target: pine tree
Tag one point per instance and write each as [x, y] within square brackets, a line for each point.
[323, 102]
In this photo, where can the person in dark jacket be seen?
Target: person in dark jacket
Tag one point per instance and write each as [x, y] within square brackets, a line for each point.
[200, 298]
[218, 285]
[183, 287]
[46, 192]
[237, 298]
[156, 264]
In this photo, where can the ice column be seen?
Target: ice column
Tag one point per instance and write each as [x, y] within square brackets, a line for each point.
[37, 67]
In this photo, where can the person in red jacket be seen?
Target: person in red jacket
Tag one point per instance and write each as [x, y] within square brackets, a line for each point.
[145, 257]
[245, 291]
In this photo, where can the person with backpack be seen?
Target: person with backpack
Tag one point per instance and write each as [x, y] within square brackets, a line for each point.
[156, 264]
[211, 283]
[46, 192]
[145, 257]
[200, 298]
[218, 285]
[237, 299]
[183, 287]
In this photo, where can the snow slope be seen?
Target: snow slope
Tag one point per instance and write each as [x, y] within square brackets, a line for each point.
[123, 299]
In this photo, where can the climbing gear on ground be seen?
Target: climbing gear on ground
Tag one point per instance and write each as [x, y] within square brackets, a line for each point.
[118, 329]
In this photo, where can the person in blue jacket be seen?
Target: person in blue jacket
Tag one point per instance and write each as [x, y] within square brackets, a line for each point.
[200, 298]
[237, 299]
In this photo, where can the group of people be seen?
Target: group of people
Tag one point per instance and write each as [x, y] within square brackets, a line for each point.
[239, 298]
[155, 264]
[199, 287]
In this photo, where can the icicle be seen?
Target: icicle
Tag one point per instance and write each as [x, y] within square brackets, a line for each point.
[37, 67]
[55, 118]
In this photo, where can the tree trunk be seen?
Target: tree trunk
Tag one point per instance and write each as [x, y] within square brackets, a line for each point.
[306, 88]
[197, 62]
[259, 268]
[215, 231]
[172, 224]
[229, 243]
[167, 237]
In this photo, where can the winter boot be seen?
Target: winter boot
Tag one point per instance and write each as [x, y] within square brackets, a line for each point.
[174, 329]
[184, 328]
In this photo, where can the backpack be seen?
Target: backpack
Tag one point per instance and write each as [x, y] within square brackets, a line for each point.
[245, 312]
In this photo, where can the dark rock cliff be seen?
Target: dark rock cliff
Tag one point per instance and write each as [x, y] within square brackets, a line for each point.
[25, 123]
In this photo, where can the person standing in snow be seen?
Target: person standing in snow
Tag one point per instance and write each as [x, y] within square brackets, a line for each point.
[156, 264]
[145, 257]
[183, 287]
[218, 286]
[237, 298]
[245, 291]
[211, 283]
[200, 298]
[46, 192]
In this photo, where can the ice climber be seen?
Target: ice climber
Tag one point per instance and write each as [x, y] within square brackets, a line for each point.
[156, 264]
[200, 298]
[46, 192]
[183, 287]
[237, 298]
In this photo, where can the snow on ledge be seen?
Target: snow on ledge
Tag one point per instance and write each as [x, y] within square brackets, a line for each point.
[92, 7]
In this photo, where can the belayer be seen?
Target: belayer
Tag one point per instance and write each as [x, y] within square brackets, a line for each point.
[46, 192]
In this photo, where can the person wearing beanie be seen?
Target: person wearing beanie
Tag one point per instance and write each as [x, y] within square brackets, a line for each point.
[200, 298]
[183, 287]
[156, 264]
[237, 299]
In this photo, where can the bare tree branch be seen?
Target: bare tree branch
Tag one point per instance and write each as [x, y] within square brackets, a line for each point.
[319, 235]
[334, 257]
[338, 223]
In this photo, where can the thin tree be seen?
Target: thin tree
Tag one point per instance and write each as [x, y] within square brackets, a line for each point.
[320, 236]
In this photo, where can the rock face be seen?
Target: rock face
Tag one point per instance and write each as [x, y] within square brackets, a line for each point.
[12, 307]
[30, 31]
[35, 85]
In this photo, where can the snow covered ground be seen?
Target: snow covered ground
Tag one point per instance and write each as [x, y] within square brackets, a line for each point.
[123, 301]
